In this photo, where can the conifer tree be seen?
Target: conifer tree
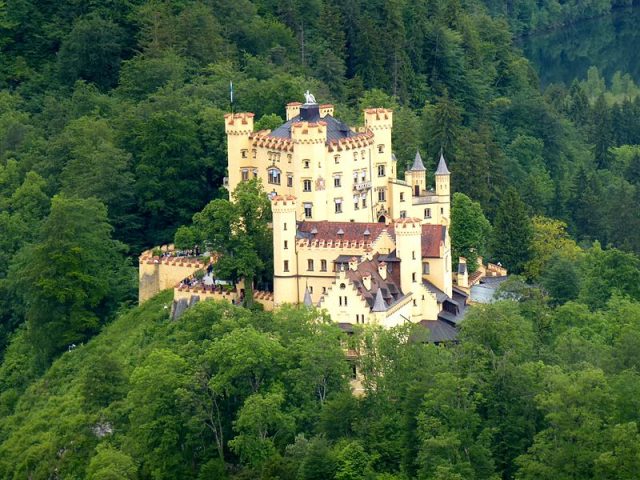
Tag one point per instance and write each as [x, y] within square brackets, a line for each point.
[512, 232]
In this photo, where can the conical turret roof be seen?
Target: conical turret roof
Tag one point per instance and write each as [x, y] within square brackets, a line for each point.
[442, 166]
[379, 305]
[307, 298]
[418, 166]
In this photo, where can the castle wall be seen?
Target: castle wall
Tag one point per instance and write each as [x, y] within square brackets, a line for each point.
[157, 274]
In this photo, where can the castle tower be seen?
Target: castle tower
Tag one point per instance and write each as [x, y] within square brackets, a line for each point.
[416, 176]
[409, 250]
[309, 136]
[443, 187]
[239, 126]
[285, 262]
[380, 122]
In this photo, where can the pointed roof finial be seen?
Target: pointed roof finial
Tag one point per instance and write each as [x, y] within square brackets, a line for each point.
[307, 298]
[417, 166]
[442, 165]
[379, 305]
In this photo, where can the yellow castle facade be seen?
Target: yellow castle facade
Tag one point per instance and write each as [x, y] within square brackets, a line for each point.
[349, 236]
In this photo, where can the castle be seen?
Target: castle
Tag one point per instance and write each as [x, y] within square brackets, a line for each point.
[348, 235]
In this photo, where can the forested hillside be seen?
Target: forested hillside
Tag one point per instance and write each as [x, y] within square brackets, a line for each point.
[112, 137]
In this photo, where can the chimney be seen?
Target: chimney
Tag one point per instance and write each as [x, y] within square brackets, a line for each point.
[382, 270]
[366, 280]
[353, 263]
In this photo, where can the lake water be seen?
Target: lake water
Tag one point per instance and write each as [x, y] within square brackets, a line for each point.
[611, 43]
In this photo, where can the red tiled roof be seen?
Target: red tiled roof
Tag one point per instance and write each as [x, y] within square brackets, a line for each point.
[352, 231]
[432, 236]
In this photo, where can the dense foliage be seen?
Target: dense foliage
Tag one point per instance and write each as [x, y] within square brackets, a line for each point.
[112, 137]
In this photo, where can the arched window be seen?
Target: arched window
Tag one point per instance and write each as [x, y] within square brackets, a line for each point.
[274, 176]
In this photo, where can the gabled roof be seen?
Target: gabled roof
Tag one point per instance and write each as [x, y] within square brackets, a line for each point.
[417, 166]
[442, 166]
[440, 331]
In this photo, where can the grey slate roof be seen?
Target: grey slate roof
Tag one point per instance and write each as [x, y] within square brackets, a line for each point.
[379, 305]
[440, 331]
[440, 295]
[417, 166]
[442, 166]
[307, 298]
[336, 129]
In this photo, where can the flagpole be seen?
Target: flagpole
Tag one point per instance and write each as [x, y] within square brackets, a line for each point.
[231, 94]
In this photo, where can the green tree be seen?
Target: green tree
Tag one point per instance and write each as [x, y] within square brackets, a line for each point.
[470, 230]
[73, 278]
[512, 232]
[237, 230]
[109, 463]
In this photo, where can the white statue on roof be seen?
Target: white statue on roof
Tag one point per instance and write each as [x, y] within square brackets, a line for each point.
[309, 98]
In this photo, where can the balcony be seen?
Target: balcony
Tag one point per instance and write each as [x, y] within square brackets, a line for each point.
[362, 186]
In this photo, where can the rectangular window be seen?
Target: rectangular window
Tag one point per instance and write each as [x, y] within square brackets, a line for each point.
[306, 163]
[324, 290]
[337, 159]
[427, 213]
[308, 212]
[381, 195]
[364, 200]
[380, 148]
[286, 244]
[245, 175]
[338, 205]
[336, 181]
[289, 180]
[402, 196]
[442, 211]
[356, 202]
[310, 289]
[425, 268]
[244, 154]
[413, 277]
[286, 265]
[403, 214]
[355, 177]
[363, 175]
[381, 170]
[274, 176]
[310, 265]
[306, 185]
[323, 265]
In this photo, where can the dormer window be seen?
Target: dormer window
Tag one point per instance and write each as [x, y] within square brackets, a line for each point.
[274, 176]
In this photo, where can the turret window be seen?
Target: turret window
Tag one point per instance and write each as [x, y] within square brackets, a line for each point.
[306, 163]
[337, 159]
[274, 176]
[381, 170]
[286, 245]
[413, 277]
[306, 185]
[380, 148]
[244, 154]
[286, 266]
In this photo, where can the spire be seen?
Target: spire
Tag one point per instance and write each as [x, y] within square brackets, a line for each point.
[307, 298]
[417, 166]
[442, 166]
[379, 305]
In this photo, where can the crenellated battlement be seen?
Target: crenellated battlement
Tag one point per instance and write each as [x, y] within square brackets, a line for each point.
[378, 118]
[309, 132]
[238, 123]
